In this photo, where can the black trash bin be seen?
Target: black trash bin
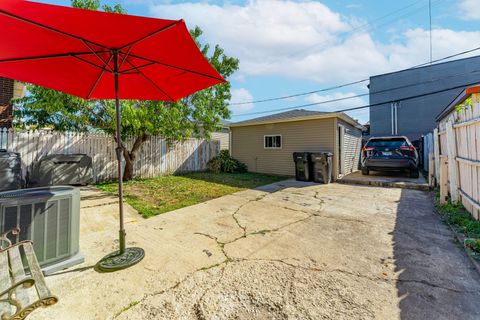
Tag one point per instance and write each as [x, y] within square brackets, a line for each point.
[10, 170]
[321, 167]
[302, 166]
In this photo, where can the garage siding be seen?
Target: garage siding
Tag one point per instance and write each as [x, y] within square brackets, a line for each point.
[223, 137]
[352, 144]
[297, 136]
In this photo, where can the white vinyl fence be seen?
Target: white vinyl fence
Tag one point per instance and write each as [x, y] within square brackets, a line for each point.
[155, 157]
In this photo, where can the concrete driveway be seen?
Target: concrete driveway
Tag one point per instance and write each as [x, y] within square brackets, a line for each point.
[286, 251]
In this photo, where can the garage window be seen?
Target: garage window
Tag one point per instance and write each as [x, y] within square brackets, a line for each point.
[272, 141]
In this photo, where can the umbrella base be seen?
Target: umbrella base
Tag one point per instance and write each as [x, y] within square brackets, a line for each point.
[116, 261]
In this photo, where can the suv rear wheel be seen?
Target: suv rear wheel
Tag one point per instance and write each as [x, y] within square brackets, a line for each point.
[365, 171]
[414, 173]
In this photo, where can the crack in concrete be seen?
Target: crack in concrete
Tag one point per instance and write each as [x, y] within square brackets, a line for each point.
[310, 214]
[176, 285]
[100, 204]
[375, 279]
[424, 282]
[296, 266]
[228, 259]
[244, 228]
[197, 308]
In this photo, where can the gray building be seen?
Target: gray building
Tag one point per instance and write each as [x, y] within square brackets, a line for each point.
[399, 115]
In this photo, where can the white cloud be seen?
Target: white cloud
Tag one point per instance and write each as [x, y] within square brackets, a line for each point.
[307, 40]
[470, 9]
[239, 95]
[415, 49]
[260, 33]
[353, 6]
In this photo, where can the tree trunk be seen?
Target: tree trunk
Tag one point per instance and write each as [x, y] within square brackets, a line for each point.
[131, 155]
[128, 170]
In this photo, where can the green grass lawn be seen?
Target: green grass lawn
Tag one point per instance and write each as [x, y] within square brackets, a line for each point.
[162, 194]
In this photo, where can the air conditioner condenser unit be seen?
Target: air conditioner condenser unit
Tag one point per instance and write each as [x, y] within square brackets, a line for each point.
[50, 217]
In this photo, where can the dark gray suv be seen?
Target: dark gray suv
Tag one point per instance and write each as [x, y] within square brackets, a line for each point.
[390, 154]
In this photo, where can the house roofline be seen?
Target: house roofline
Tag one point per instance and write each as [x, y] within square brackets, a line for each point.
[422, 67]
[339, 115]
[464, 95]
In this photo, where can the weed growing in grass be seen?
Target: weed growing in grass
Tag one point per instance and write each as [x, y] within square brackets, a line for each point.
[458, 217]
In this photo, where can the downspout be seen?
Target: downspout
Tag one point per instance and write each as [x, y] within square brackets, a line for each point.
[335, 171]
[396, 118]
[391, 118]
[230, 149]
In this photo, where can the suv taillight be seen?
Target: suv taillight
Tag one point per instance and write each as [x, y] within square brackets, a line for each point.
[409, 148]
[368, 148]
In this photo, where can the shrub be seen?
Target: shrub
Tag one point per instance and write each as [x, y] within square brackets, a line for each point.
[225, 163]
[215, 165]
[456, 215]
[473, 244]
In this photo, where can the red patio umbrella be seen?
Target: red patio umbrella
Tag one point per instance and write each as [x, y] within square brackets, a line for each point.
[99, 55]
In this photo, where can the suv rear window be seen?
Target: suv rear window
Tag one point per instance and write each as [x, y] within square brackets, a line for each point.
[387, 143]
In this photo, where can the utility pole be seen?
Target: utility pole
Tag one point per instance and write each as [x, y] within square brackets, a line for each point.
[430, 18]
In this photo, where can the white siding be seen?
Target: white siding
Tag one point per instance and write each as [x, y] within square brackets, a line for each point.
[352, 143]
[224, 138]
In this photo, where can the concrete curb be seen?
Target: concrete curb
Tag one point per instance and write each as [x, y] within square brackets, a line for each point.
[461, 239]
[385, 184]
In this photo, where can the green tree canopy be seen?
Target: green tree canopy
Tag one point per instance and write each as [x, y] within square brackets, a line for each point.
[198, 114]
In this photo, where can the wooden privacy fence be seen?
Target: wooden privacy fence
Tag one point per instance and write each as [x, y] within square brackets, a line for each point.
[155, 157]
[456, 156]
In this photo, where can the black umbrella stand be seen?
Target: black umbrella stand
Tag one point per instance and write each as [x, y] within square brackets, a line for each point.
[124, 257]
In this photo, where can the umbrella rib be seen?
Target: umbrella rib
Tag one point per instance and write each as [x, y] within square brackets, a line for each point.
[96, 55]
[8, 14]
[150, 80]
[125, 57]
[178, 68]
[90, 63]
[137, 68]
[98, 79]
[50, 56]
[150, 34]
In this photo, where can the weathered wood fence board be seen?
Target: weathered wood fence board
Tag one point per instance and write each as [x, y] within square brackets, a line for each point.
[458, 137]
[155, 157]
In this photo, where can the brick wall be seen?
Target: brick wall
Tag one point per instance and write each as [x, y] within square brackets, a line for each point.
[6, 95]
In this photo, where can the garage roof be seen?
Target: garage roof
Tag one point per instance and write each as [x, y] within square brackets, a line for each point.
[297, 115]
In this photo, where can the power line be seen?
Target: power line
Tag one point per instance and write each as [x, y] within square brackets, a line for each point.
[365, 94]
[368, 25]
[447, 57]
[349, 83]
[364, 80]
[300, 94]
[406, 98]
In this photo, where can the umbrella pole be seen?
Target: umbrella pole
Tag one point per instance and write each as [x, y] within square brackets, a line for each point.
[124, 257]
[119, 157]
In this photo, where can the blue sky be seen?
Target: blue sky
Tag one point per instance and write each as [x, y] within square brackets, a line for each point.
[289, 47]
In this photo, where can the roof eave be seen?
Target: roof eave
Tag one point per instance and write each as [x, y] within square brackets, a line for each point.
[464, 95]
[340, 115]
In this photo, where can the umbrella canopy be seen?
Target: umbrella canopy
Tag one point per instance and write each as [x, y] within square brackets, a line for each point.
[72, 50]
[99, 55]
